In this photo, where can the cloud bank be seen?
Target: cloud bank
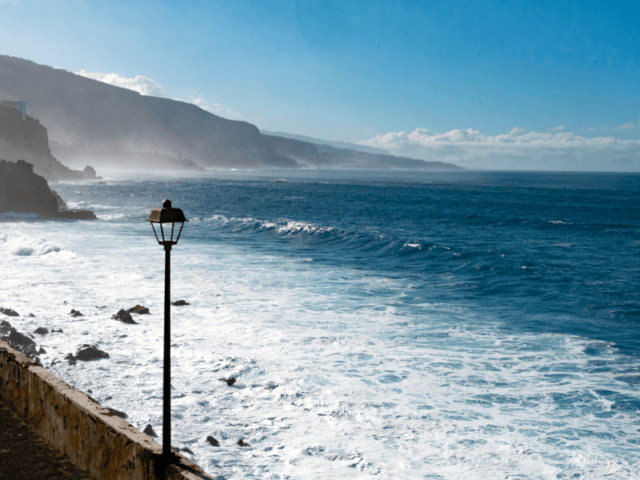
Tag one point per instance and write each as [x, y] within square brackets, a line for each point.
[140, 84]
[517, 150]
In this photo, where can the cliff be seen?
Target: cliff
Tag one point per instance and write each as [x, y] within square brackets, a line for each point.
[91, 121]
[23, 137]
[23, 191]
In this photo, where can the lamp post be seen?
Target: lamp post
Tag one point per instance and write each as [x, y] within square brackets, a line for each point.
[165, 216]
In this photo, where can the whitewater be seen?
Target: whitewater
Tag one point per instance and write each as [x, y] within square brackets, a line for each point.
[399, 325]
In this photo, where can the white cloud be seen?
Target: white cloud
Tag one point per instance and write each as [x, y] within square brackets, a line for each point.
[140, 84]
[627, 126]
[209, 107]
[518, 149]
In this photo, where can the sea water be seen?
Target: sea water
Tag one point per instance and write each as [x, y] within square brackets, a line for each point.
[404, 325]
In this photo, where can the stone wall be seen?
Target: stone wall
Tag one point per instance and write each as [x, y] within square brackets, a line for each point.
[93, 438]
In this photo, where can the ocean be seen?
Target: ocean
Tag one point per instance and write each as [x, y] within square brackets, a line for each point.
[396, 324]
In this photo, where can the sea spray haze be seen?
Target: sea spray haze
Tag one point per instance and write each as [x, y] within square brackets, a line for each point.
[404, 325]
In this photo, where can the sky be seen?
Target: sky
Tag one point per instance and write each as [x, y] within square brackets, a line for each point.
[484, 84]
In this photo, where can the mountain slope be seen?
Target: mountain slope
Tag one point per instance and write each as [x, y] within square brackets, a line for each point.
[91, 121]
[319, 141]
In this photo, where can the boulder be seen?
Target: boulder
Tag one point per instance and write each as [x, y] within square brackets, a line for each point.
[41, 331]
[124, 316]
[213, 441]
[242, 443]
[90, 352]
[8, 312]
[70, 359]
[22, 343]
[139, 309]
[89, 173]
[58, 330]
[230, 381]
[179, 303]
[149, 431]
[117, 413]
[75, 313]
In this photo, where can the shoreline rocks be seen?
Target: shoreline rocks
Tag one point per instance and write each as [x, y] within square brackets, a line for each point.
[23, 191]
[90, 352]
[139, 309]
[124, 316]
[8, 312]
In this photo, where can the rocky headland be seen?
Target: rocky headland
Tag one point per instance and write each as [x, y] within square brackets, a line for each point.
[23, 137]
[23, 191]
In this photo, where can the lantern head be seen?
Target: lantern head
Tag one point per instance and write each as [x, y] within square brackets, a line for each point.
[167, 216]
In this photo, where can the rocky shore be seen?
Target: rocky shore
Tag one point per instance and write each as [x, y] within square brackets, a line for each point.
[23, 191]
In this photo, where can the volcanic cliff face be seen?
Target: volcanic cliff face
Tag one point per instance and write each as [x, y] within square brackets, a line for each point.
[91, 121]
[22, 137]
[22, 191]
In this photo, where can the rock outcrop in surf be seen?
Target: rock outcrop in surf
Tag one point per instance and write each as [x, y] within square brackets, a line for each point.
[23, 191]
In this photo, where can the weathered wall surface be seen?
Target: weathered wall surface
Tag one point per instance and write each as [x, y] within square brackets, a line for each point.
[105, 445]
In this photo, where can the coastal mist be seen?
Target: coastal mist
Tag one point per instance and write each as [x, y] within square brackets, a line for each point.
[397, 324]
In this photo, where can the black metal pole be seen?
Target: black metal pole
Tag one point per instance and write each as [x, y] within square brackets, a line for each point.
[166, 404]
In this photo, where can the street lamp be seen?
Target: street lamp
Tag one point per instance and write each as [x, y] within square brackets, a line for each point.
[167, 216]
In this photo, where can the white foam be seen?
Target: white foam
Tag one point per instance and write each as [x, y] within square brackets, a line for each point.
[332, 382]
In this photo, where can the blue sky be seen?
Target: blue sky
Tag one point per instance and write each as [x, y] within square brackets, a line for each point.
[412, 77]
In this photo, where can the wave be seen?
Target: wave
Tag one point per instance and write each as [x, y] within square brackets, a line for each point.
[368, 240]
[25, 247]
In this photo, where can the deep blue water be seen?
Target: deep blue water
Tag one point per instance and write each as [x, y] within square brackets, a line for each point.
[540, 252]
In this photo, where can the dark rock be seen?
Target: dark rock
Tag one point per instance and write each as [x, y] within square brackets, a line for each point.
[53, 362]
[186, 449]
[230, 381]
[124, 316]
[213, 441]
[31, 315]
[242, 443]
[5, 326]
[70, 359]
[25, 190]
[59, 330]
[75, 214]
[179, 303]
[90, 352]
[42, 351]
[149, 431]
[117, 413]
[75, 313]
[41, 331]
[89, 173]
[139, 309]
[8, 312]
[22, 343]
